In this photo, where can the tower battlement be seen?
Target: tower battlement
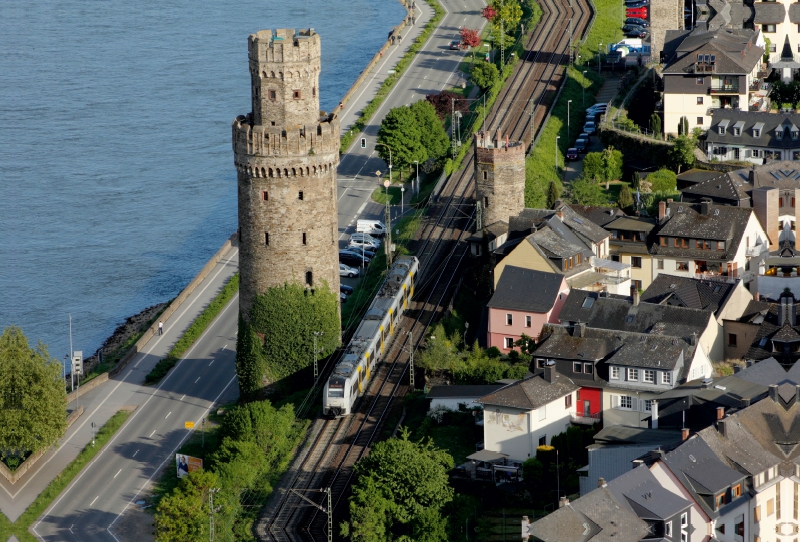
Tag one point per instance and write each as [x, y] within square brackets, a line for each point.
[498, 149]
[249, 139]
[284, 45]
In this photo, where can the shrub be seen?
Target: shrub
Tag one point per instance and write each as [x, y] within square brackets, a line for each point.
[663, 180]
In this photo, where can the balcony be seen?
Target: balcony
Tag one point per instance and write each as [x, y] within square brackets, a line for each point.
[724, 89]
[586, 420]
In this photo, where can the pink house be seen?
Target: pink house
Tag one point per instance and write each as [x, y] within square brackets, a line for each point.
[523, 302]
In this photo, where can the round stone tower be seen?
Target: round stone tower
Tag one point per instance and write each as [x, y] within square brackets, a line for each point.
[499, 177]
[286, 153]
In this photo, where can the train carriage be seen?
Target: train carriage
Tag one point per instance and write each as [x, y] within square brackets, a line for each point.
[352, 373]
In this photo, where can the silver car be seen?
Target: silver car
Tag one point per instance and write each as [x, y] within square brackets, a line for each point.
[347, 271]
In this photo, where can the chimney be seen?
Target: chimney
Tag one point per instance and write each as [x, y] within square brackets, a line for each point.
[693, 339]
[748, 363]
[635, 295]
[669, 200]
[744, 403]
[550, 372]
[721, 427]
[756, 297]
[737, 368]
[766, 207]
[751, 176]
[684, 434]
[654, 414]
[705, 208]
[562, 502]
[773, 392]
[601, 482]
[579, 330]
[662, 209]
[720, 412]
[560, 215]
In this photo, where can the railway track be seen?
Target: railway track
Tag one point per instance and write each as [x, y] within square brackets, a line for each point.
[329, 458]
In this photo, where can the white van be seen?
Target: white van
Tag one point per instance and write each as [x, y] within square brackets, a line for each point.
[372, 227]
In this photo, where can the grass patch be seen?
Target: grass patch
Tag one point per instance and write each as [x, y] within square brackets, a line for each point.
[546, 160]
[379, 195]
[20, 527]
[366, 113]
[195, 330]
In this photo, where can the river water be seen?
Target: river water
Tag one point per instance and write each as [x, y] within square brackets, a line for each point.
[116, 171]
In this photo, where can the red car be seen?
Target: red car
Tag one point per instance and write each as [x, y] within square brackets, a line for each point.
[641, 13]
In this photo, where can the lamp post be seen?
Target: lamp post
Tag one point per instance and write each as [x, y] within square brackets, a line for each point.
[599, 49]
[569, 130]
[402, 196]
[583, 90]
[556, 153]
[415, 186]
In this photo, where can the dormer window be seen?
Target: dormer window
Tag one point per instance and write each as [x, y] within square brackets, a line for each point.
[795, 134]
[736, 491]
[720, 501]
[756, 132]
[736, 131]
[721, 130]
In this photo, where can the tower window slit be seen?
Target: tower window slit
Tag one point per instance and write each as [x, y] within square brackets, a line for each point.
[266, 239]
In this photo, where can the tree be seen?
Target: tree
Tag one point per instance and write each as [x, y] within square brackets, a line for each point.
[445, 102]
[663, 180]
[470, 38]
[655, 124]
[279, 339]
[553, 193]
[682, 152]
[485, 74]
[586, 191]
[182, 516]
[400, 132]
[612, 164]
[625, 200]
[32, 396]
[593, 166]
[432, 135]
[767, 44]
[683, 126]
[401, 489]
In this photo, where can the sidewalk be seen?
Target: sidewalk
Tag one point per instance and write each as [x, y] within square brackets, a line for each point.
[124, 389]
[379, 72]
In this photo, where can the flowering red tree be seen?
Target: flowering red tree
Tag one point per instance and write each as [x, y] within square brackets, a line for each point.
[444, 103]
[489, 13]
[470, 38]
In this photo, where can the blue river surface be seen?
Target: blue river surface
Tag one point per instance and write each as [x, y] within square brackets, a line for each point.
[116, 171]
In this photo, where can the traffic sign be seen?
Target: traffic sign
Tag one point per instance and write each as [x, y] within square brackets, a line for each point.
[188, 425]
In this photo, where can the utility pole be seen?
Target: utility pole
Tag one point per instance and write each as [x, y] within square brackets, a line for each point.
[452, 125]
[533, 128]
[388, 243]
[411, 361]
[211, 511]
[328, 511]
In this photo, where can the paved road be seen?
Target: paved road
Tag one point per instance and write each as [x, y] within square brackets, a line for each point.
[155, 430]
[434, 68]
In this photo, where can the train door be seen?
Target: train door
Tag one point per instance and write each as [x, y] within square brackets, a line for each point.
[391, 321]
[382, 340]
[367, 365]
[411, 280]
[360, 381]
[405, 298]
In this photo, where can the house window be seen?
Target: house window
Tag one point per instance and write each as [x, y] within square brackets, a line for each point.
[684, 537]
[587, 368]
[731, 339]
[265, 195]
[540, 363]
[527, 321]
[720, 500]
[296, 94]
[699, 100]
[663, 241]
[757, 513]
[756, 133]
[659, 264]
[780, 202]
[314, 92]
[737, 132]
[738, 526]
[637, 284]
[720, 245]
[577, 367]
[509, 319]
[699, 121]
[684, 243]
[699, 80]
[681, 266]
[684, 519]
[666, 377]
[636, 261]
[266, 239]
[648, 405]
[485, 175]
[509, 342]
[309, 278]
[568, 401]
[625, 401]
[543, 440]
[770, 507]
[668, 529]
[721, 528]
[633, 374]
[649, 376]
[615, 372]
[721, 130]
[485, 201]
[271, 94]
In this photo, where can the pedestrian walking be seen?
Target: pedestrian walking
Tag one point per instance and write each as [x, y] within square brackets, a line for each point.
[160, 328]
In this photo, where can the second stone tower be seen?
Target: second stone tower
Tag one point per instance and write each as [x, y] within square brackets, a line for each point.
[286, 152]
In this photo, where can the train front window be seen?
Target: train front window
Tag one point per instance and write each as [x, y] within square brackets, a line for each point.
[335, 392]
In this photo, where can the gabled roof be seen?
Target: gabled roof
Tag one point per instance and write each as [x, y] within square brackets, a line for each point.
[769, 13]
[722, 186]
[645, 497]
[557, 343]
[582, 226]
[688, 292]
[599, 215]
[631, 224]
[767, 123]
[726, 44]
[526, 290]
[649, 351]
[794, 12]
[531, 393]
[465, 391]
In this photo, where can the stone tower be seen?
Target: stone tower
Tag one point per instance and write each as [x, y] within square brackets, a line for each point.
[499, 177]
[286, 153]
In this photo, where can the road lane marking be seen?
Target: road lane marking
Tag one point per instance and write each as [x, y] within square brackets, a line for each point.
[182, 396]
[198, 378]
[95, 500]
[151, 434]
[136, 452]
[170, 412]
[212, 363]
[120, 470]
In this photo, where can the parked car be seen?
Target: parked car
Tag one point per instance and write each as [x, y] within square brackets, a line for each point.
[572, 153]
[592, 117]
[351, 258]
[584, 135]
[357, 250]
[597, 108]
[343, 297]
[631, 27]
[638, 12]
[345, 289]
[590, 128]
[347, 271]
[369, 245]
[455, 45]
[636, 20]
[582, 145]
[640, 33]
[365, 237]
[636, 3]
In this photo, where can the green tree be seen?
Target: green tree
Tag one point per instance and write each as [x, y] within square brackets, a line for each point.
[283, 321]
[553, 193]
[682, 153]
[593, 166]
[262, 423]
[612, 164]
[440, 352]
[683, 127]
[182, 516]
[637, 178]
[400, 132]
[663, 180]
[485, 74]
[509, 13]
[401, 489]
[586, 191]
[767, 43]
[625, 200]
[432, 134]
[32, 396]
[655, 124]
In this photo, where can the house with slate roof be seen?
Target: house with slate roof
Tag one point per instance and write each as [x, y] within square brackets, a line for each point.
[709, 70]
[767, 329]
[522, 416]
[714, 242]
[727, 300]
[721, 188]
[523, 301]
[629, 245]
[752, 136]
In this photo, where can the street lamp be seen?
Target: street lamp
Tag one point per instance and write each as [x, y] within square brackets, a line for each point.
[583, 89]
[599, 48]
[569, 130]
[402, 197]
[415, 186]
[556, 153]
